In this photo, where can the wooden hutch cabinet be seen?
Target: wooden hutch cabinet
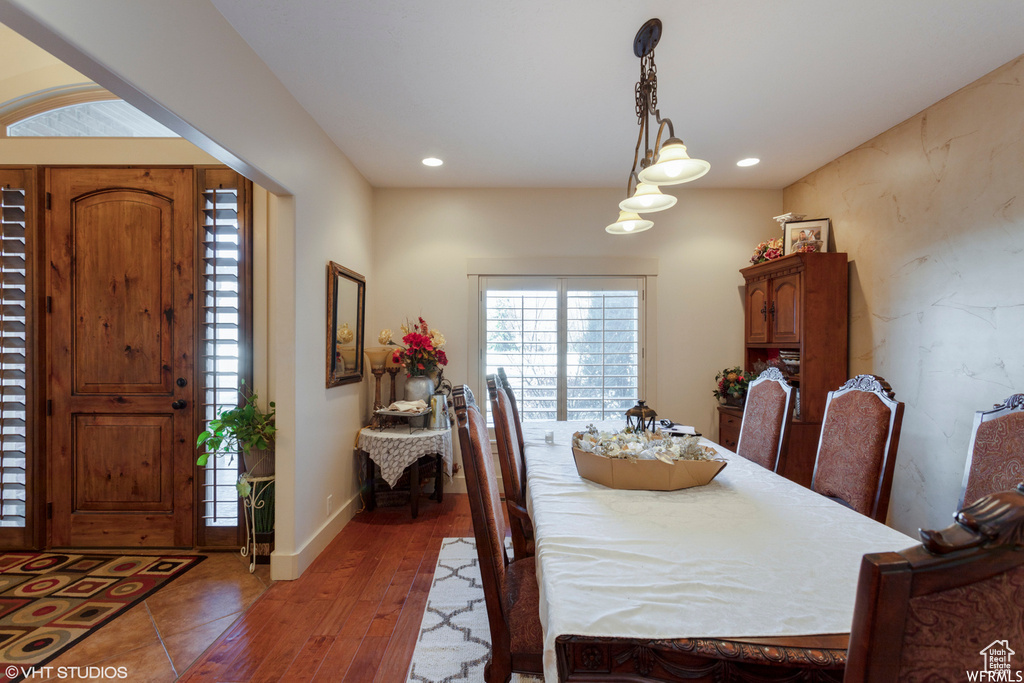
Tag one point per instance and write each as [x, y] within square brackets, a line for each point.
[796, 306]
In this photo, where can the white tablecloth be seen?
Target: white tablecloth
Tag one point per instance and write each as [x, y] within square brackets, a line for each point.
[395, 448]
[750, 554]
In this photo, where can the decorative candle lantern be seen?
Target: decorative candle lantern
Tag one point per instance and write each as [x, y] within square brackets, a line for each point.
[640, 418]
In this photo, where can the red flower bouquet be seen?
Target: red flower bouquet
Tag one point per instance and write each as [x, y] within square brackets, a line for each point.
[422, 353]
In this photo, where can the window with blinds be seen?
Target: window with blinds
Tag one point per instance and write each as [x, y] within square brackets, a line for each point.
[13, 367]
[572, 347]
[224, 330]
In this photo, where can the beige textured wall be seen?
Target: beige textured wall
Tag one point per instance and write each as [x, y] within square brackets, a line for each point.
[423, 239]
[931, 213]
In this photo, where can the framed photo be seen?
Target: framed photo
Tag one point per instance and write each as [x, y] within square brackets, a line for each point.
[806, 236]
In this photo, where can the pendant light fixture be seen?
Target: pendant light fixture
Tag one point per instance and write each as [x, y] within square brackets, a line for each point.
[667, 164]
[628, 223]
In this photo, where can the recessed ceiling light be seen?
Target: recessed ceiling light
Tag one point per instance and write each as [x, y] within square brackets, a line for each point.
[432, 161]
[742, 162]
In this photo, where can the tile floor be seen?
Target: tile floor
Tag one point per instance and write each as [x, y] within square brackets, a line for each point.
[158, 639]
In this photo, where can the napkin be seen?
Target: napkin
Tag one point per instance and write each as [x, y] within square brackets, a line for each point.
[417, 406]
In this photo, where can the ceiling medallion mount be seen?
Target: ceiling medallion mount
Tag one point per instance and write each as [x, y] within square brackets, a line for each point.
[647, 38]
[665, 164]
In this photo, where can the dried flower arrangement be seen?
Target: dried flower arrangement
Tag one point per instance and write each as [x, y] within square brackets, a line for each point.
[642, 446]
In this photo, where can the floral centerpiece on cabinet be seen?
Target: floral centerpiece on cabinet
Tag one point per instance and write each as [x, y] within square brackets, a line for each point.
[768, 250]
[732, 386]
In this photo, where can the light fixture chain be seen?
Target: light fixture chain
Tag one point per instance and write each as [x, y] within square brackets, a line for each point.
[652, 79]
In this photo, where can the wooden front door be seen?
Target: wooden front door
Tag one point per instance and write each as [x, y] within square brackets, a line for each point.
[121, 325]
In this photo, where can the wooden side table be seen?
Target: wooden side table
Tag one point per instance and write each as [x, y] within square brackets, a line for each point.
[397, 448]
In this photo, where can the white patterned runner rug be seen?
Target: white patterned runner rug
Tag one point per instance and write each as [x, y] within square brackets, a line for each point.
[454, 643]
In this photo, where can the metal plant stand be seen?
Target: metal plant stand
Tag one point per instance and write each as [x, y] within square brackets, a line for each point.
[252, 502]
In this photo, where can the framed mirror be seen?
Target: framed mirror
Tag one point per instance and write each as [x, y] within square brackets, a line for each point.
[346, 307]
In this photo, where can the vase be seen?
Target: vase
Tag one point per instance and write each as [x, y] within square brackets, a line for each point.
[735, 401]
[419, 388]
[259, 462]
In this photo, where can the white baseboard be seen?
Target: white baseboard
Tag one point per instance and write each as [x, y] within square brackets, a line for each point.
[289, 566]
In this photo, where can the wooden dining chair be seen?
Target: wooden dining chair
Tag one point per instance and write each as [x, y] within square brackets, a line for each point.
[995, 458]
[765, 416]
[513, 474]
[511, 594]
[515, 411]
[860, 434]
[937, 611]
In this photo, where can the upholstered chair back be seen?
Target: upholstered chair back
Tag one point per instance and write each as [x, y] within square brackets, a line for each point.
[510, 454]
[857, 448]
[513, 474]
[511, 593]
[482, 487]
[765, 417]
[995, 458]
[950, 606]
[514, 404]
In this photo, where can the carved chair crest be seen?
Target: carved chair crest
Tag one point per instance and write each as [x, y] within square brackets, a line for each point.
[869, 383]
[772, 373]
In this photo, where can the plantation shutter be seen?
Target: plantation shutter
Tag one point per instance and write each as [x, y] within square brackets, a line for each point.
[521, 334]
[603, 346]
[14, 205]
[225, 336]
[571, 346]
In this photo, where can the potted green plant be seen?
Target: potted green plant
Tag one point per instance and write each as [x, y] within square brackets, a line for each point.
[246, 428]
[263, 521]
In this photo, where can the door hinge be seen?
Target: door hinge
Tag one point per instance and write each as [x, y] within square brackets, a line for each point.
[49, 407]
[49, 510]
[49, 304]
[49, 201]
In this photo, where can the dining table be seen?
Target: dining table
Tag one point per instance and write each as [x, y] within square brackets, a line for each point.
[748, 576]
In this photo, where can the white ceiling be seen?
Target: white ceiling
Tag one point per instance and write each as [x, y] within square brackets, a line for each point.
[529, 93]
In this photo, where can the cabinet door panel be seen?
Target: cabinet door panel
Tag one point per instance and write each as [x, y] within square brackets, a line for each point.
[785, 309]
[757, 312]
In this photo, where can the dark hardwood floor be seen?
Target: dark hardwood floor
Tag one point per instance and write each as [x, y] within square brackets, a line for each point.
[354, 615]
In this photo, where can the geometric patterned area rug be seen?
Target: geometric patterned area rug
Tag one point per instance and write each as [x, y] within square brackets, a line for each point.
[455, 641]
[50, 601]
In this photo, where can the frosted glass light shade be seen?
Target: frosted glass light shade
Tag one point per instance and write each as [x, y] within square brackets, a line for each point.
[377, 355]
[629, 223]
[673, 166]
[647, 198]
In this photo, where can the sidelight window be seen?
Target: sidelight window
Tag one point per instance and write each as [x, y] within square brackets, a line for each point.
[13, 369]
[224, 329]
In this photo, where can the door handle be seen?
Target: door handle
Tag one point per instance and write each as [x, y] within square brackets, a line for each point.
[764, 309]
[179, 404]
[773, 310]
